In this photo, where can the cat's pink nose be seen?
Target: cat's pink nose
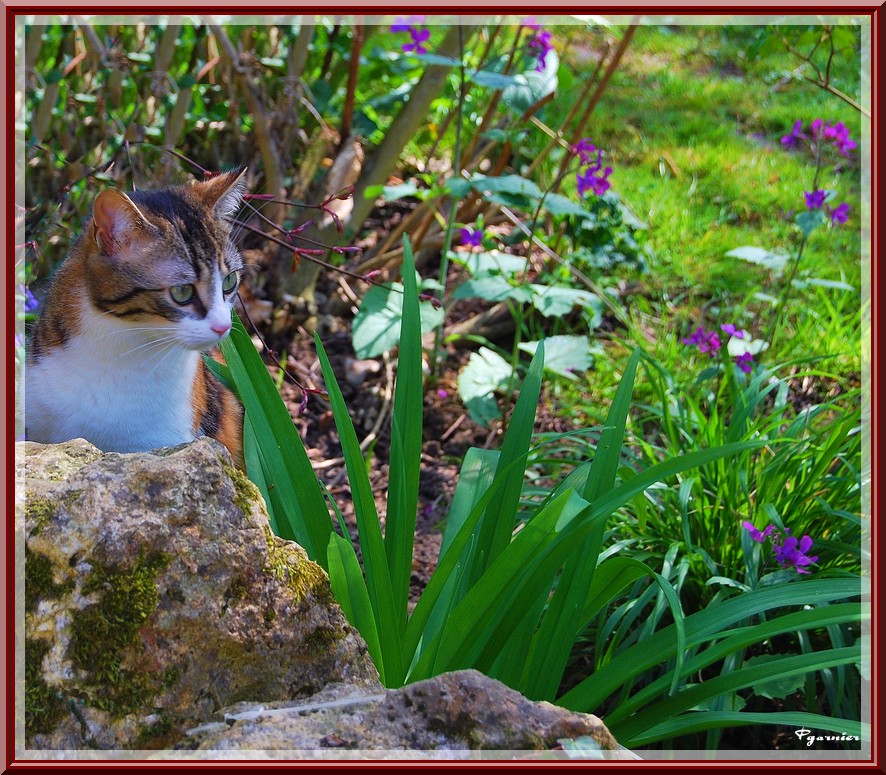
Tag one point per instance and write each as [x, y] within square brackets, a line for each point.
[221, 328]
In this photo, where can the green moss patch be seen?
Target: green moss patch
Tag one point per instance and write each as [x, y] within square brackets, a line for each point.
[44, 706]
[40, 583]
[103, 633]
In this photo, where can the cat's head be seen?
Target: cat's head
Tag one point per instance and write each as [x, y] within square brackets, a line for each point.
[165, 259]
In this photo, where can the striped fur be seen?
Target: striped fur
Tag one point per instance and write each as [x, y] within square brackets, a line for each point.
[115, 356]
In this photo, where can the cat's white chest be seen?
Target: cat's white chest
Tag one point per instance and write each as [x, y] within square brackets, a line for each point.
[120, 391]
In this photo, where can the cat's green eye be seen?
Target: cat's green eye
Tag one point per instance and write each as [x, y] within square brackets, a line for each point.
[182, 294]
[230, 282]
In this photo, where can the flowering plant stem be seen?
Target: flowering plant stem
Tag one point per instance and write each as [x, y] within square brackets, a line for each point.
[453, 206]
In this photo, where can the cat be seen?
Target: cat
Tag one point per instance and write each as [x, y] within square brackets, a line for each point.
[115, 356]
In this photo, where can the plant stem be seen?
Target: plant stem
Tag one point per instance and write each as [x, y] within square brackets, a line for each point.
[453, 205]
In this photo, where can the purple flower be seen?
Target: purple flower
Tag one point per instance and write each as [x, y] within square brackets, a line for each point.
[793, 139]
[745, 362]
[728, 328]
[418, 38]
[839, 214]
[541, 42]
[584, 148]
[472, 237]
[815, 199]
[590, 181]
[441, 393]
[817, 129]
[403, 24]
[758, 535]
[530, 22]
[839, 133]
[793, 553]
[707, 342]
[31, 303]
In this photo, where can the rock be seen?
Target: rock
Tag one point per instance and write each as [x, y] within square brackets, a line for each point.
[156, 594]
[459, 711]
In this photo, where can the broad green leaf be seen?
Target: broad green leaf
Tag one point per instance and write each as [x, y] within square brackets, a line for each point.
[558, 300]
[393, 192]
[530, 86]
[776, 688]
[376, 327]
[810, 220]
[771, 259]
[490, 79]
[492, 288]
[485, 372]
[512, 184]
[559, 205]
[491, 262]
[564, 355]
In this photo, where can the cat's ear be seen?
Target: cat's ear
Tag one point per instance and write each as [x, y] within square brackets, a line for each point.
[117, 222]
[224, 192]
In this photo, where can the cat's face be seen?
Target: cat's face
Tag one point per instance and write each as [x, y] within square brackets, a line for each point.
[163, 262]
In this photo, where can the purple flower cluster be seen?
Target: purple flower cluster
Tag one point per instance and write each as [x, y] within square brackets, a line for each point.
[837, 133]
[815, 200]
[819, 131]
[594, 177]
[790, 552]
[419, 36]
[709, 342]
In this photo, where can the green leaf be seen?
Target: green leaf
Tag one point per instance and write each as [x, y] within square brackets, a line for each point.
[406, 441]
[810, 220]
[492, 80]
[485, 372]
[512, 184]
[376, 327]
[437, 59]
[393, 192]
[776, 688]
[492, 288]
[349, 589]
[286, 477]
[491, 262]
[564, 355]
[559, 205]
[773, 260]
[378, 578]
[531, 86]
[558, 301]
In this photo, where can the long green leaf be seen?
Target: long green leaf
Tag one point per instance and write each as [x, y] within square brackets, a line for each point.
[385, 608]
[349, 589]
[627, 730]
[499, 520]
[701, 721]
[735, 641]
[511, 584]
[300, 511]
[406, 439]
[590, 694]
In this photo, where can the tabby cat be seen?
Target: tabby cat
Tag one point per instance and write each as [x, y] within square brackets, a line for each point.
[115, 356]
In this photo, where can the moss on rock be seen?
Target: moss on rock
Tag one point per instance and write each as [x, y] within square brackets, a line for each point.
[104, 632]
